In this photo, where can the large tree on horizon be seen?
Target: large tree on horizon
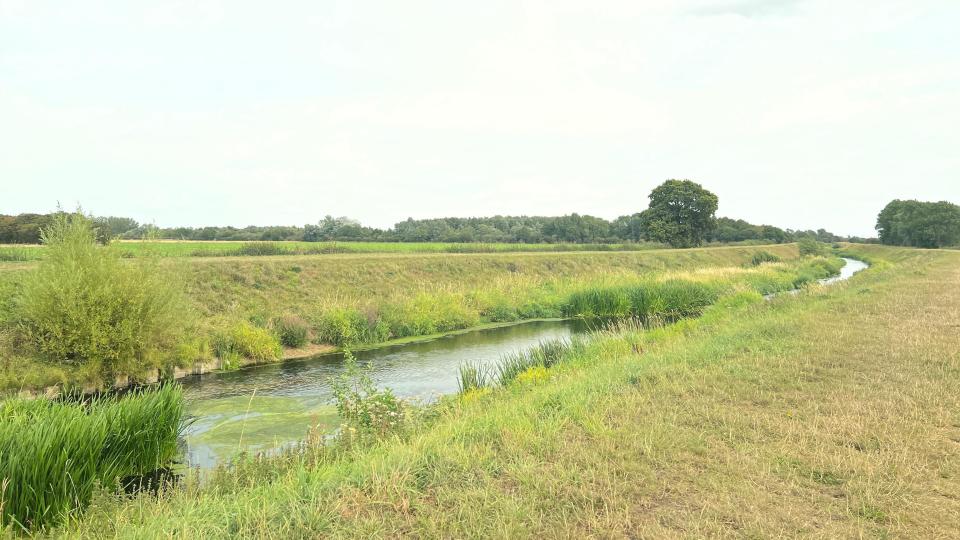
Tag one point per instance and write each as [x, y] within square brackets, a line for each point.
[681, 213]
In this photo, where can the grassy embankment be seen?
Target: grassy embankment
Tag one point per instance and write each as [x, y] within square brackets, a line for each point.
[832, 413]
[247, 306]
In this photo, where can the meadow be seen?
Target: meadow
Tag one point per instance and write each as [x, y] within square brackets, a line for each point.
[196, 248]
[830, 413]
[262, 309]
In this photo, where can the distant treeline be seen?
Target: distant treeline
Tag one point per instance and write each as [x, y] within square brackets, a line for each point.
[573, 228]
[920, 224]
[25, 228]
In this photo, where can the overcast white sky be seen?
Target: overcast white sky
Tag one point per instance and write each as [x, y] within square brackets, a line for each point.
[797, 113]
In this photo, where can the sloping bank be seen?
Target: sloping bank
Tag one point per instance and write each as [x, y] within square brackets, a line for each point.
[827, 414]
[248, 307]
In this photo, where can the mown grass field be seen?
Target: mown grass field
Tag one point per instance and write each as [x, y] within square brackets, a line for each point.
[370, 298]
[834, 413]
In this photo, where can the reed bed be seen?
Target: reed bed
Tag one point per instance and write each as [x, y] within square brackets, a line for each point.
[55, 454]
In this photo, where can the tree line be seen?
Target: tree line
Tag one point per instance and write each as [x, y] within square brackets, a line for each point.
[573, 228]
[680, 213]
[919, 224]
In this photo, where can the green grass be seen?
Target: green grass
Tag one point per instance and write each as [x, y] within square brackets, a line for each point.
[173, 248]
[56, 454]
[831, 413]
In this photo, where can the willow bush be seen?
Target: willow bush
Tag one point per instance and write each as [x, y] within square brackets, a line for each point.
[85, 305]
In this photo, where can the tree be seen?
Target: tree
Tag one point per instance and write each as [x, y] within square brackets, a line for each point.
[919, 224]
[681, 214]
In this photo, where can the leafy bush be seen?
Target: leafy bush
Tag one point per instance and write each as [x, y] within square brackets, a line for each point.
[55, 454]
[763, 257]
[248, 341]
[292, 331]
[84, 305]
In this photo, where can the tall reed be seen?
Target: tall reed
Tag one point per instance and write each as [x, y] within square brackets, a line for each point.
[54, 454]
[546, 354]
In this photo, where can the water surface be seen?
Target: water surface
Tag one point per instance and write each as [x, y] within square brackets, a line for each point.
[275, 404]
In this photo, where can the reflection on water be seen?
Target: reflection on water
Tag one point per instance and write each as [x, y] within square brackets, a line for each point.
[293, 396]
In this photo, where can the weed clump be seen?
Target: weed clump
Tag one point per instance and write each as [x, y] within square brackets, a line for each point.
[763, 257]
[245, 340]
[291, 330]
[365, 410]
[345, 327]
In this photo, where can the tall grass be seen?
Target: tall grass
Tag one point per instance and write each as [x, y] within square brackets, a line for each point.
[545, 354]
[55, 454]
[472, 376]
[672, 299]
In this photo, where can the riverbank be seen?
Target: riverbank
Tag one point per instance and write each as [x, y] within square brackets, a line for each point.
[358, 301]
[828, 414]
[419, 370]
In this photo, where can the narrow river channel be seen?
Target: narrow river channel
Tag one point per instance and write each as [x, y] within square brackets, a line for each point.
[267, 406]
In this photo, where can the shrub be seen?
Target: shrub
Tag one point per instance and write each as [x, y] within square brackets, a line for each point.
[292, 331]
[84, 305]
[259, 249]
[246, 340]
[809, 247]
[55, 454]
[763, 257]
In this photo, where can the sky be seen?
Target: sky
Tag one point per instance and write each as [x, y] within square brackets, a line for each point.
[796, 113]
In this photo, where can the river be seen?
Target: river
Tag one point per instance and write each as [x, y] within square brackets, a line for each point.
[271, 405]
